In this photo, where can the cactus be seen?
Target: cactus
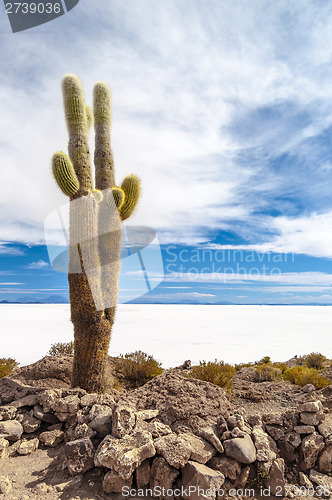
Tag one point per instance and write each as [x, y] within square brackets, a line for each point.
[94, 230]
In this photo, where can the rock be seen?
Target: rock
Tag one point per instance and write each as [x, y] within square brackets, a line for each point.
[201, 450]
[305, 481]
[308, 418]
[66, 407]
[276, 431]
[30, 423]
[174, 449]
[210, 434]
[143, 474]
[126, 454]
[325, 428]
[262, 444]
[221, 426]
[236, 432]
[49, 398]
[11, 430]
[293, 438]
[325, 460]
[287, 452]
[89, 399]
[123, 421]
[7, 412]
[310, 448]
[273, 419]
[101, 419]
[158, 429]
[321, 479]
[242, 480]
[310, 406]
[304, 429]
[3, 447]
[51, 438]
[146, 414]
[113, 482]
[79, 456]
[236, 420]
[241, 449]
[30, 400]
[291, 420]
[308, 388]
[5, 485]
[229, 467]
[276, 480]
[162, 474]
[204, 480]
[39, 413]
[82, 431]
[26, 447]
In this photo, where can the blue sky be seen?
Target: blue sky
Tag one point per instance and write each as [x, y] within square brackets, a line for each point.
[225, 112]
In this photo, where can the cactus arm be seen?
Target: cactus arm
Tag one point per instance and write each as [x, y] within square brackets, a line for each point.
[78, 128]
[64, 174]
[131, 185]
[118, 196]
[104, 166]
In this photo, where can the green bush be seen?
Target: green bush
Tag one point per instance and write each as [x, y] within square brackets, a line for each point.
[315, 360]
[303, 375]
[238, 366]
[7, 365]
[267, 372]
[61, 348]
[217, 372]
[264, 361]
[136, 368]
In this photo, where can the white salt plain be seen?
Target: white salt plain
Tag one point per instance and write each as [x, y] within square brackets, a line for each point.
[174, 333]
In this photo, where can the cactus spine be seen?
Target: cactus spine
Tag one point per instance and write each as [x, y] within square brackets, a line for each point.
[95, 235]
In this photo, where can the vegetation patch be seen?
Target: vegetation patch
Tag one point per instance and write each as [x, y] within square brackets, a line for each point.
[136, 368]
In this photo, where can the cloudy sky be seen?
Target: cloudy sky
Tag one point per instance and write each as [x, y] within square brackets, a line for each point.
[224, 109]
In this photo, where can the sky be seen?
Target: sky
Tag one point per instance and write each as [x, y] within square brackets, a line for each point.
[223, 109]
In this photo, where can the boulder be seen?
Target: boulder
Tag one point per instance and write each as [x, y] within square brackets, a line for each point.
[210, 434]
[325, 428]
[82, 431]
[203, 481]
[273, 419]
[89, 399]
[79, 456]
[221, 426]
[28, 446]
[48, 417]
[146, 414]
[66, 407]
[229, 467]
[308, 418]
[310, 448]
[310, 406]
[262, 444]
[30, 400]
[11, 430]
[113, 482]
[51, 438]
[123, 421]
[7, 412]
[143, 474]
[293, 438]
[321, 479]
[277, 432]
[325, 460]
[101, 422]
[241, 449]
[175, 449]
[308, 388]
[49, 398]
[162, 474]
[201, 450]
[304, 429]
[126, 454]
[30, 423]
[276, 480]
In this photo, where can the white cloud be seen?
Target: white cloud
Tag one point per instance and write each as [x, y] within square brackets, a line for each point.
[40, 264]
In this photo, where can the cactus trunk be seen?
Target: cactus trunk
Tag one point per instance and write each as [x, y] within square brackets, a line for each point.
[94, 230]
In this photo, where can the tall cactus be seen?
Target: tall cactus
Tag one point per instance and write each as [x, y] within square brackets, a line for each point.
[96, 213]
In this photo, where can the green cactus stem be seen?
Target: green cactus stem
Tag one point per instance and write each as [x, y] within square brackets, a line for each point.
[131, 186]
[64, 174]
[118, 196]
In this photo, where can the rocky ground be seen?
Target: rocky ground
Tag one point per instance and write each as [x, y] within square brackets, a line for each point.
[268, 438]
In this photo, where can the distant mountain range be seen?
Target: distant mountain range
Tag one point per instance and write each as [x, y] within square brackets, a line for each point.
[52, 299]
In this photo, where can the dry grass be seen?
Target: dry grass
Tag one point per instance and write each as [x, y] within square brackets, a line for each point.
[303, 375]
[61, 348]
[217, 372]
[7, 365]
[136, 368]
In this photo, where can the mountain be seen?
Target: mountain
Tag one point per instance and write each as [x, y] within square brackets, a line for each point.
[52, 299]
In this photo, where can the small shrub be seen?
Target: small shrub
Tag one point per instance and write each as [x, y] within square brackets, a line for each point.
[217, 372]
[7, 365]
[61, 348]
[315, 360]
[282, 366]
[238, 366]
[267, 372]
[137, 368]
[303, 375]
[264, 361]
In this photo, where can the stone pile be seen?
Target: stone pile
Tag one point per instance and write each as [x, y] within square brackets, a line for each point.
[138, 448]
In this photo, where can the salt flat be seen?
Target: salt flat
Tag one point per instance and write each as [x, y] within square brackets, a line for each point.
[174, 333]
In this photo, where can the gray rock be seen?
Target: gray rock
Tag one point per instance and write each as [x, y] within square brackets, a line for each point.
[273, 419]
[325, 428]
[203, 479]
[39, 413]
[114, 483]
[174, 449]
[162, 474]
[79, 456]
[66, 407]
[51, 438]
[7, 412]
[30, 400]
[276, 481]
[123, 421]
[236, 420]
[325, 460]
[11, 430]
[89, 399]
[293, 438]
[201, 450]
[241, 449]
[126, 454]
[310, 406]
[102, 419]
[82, 431]
[304, 429]
[49, 398]
[27, 447]
[146, 414]
[276, 432]
[310, 448]
[221, 425]
[262, 445]
[308, 418]
[210, 434]
[308, 388]
[229, 467]
[30, 423]
[321, 479]
[143, 474]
